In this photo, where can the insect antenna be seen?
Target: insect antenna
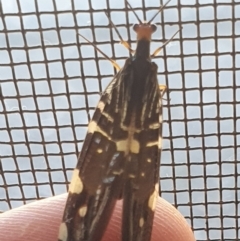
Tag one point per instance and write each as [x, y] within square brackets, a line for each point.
[160, 10]
[122, 41]
[115, 65]
[155, 53]
[139, 20]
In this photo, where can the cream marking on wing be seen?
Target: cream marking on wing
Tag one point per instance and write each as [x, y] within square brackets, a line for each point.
[153, 198]
[76, 185]
[154, 126]
[159, 106]
[93, 127]
[99, 150]
[150, 110]
[128, 145]
[149, 160]
[135, 146]
[109, 88]
[101, 106]
[142, 174]
[97, 196]
[141, 222]
[124, 111]
[108, 116]
[63, 232]
[160, 142]
[143, 111]
[117, 100]
[122, 145]
[160, 119]
[153, 103]
[82, 211]
[130, 129]
[100, 207]
[131, 176]
[152, 143]
[118, 172]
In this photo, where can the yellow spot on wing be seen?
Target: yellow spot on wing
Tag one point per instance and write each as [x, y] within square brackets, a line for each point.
[152, 143]
[155, 143]
[160, 142]
[82, 211]
[118, 172]
[130, 129]
[76, 185]
[131, 176]
[122, 145]
[99, 150]
[101, 105]
[108, 116]
[92, 126]
[135, 146]
[141, 222]
[63, 233]
[154, 126]
[153, 198]
[128, 145]
[160, 119]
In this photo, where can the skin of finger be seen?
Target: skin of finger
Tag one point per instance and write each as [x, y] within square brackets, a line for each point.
[40, 221]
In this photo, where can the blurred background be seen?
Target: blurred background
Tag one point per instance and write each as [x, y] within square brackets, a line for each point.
[51, 80]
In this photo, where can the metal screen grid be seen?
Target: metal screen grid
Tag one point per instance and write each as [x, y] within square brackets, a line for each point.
[50, 82]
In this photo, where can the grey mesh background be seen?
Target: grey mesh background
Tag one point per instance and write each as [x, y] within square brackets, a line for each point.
[51, 81]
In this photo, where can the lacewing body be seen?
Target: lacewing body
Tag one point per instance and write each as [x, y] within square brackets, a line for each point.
[120, 156]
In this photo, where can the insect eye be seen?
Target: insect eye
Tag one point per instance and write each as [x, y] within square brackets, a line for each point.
[153, 27]
[135, 27]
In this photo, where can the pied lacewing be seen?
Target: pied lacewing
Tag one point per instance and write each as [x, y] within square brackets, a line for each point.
[120, 157]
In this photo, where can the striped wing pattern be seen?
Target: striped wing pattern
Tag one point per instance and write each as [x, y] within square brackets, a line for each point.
[120, 156]
[119, 159]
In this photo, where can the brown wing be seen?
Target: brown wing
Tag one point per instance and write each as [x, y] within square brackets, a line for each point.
[119, 159]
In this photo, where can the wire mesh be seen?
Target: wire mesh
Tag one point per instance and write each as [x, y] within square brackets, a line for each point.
[50, 81]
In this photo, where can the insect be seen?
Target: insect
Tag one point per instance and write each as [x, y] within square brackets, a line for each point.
[120, 157]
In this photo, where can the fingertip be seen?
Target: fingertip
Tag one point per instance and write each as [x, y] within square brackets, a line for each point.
[40, 220]
[36, 221]
[168, 225]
